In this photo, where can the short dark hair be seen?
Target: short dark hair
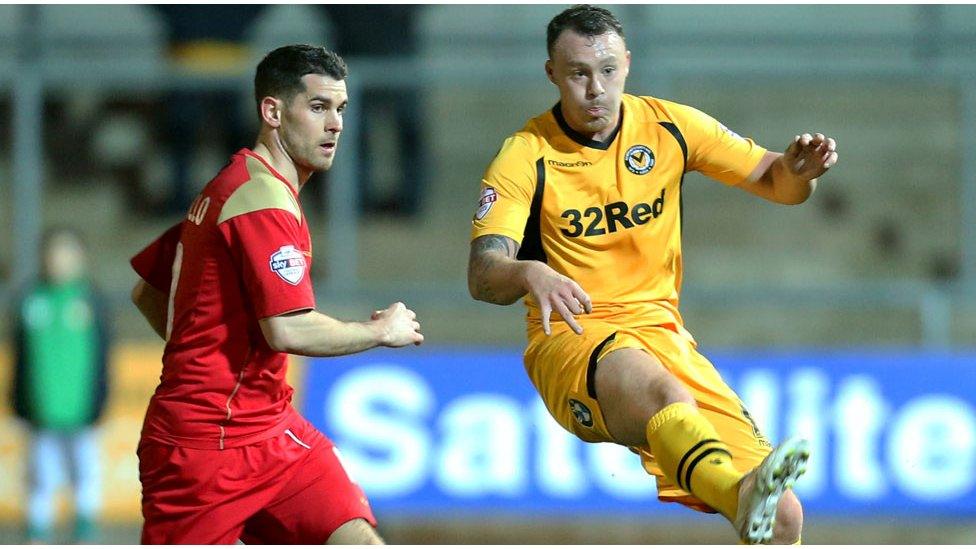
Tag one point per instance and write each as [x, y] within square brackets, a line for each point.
[583, 19]
[280, 73]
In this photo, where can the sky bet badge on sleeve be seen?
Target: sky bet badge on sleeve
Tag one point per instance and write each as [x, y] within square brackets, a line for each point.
[488, 197]
[289, 264]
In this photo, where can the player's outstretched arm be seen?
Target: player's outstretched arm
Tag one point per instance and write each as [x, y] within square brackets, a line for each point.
[496, 276]
[791, 177]
[311, 333]
[492, 270]
[152, 304]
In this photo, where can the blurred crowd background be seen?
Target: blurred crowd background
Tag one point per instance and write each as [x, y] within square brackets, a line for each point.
[113, 117]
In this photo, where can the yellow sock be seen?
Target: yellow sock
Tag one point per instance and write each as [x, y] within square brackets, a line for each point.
[689, 452]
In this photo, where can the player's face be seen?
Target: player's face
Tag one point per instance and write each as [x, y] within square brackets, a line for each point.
[312, 121]
[590, 72]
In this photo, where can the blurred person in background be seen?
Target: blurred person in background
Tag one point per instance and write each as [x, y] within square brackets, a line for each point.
[356, 36]
[223, 454]
[203, 39]
[61, 347]
[580, 213]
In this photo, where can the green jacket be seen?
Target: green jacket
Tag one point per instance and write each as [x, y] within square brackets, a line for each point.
[60, 356]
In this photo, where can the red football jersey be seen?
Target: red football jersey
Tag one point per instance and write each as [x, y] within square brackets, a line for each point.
[243, 253]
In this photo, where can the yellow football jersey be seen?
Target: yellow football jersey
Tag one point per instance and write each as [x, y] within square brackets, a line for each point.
[608, 214]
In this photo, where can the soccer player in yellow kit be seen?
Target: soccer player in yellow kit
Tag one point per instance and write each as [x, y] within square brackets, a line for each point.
[580, 213]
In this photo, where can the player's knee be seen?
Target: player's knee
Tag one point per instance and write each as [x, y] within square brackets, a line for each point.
[355, 532]
[673, 391]
[666, 390]
[789, 520]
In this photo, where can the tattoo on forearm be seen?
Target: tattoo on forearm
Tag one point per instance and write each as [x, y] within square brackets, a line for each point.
[496, 243]
[482, 260]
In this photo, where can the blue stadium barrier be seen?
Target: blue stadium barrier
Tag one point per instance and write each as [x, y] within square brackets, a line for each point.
[462, 431]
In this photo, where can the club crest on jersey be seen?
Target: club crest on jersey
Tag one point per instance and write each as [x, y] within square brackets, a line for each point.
[289, 264]
[488, 197]
[639, 159]
[581, 413]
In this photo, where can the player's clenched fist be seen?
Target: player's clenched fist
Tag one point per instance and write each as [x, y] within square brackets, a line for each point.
[398, 326]
[555, 292]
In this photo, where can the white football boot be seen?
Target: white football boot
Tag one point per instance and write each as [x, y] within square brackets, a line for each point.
[777, 473]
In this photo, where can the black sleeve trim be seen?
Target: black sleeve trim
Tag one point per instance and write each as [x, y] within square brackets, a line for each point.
[532, 240]
[676, 133]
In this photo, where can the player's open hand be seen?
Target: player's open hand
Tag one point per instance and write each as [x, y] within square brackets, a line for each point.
[398, 325]
[810, 156]
[555, 292]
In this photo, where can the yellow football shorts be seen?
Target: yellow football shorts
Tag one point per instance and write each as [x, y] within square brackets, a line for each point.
[563, 366]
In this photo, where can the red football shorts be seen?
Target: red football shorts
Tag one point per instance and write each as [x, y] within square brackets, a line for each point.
[289, 489]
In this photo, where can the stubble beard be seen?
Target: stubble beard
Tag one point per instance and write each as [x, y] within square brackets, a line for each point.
[323, 163]
[313, 160]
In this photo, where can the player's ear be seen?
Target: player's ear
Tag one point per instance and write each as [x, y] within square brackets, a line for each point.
[271, 111]
[549, 70]
[627, 64]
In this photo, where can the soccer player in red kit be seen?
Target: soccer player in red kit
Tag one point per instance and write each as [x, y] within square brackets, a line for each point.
[223, 454]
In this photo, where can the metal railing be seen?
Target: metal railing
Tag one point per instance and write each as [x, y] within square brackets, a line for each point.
[32, 81]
